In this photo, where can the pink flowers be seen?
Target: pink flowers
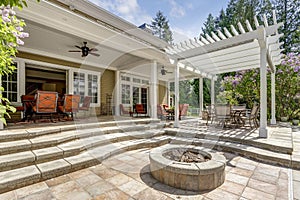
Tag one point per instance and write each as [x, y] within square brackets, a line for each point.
[10, 20]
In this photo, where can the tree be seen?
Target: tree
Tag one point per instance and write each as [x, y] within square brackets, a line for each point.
[209, 25]
[161, 28]
[11, 34]
[289, 14]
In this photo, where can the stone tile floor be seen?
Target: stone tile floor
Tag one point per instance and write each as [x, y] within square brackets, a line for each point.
[126, 176]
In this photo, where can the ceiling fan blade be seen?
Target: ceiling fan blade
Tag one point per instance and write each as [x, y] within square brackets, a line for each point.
[74, 51]
[93, 49]
[94, 54]
[78, 46]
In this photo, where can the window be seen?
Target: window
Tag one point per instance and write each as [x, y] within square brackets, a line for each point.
[10, 85]
[125, 94]
[135, 95]
[146, 82]
[125, 78]
[79, 84]
[93, 87]
[86, 84]
[136, 80]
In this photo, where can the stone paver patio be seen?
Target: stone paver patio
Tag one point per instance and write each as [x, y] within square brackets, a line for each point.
[126, 176]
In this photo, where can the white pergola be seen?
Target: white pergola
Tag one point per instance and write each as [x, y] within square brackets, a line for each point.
[228, 51]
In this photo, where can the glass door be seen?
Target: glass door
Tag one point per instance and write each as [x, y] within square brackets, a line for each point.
[135, 96]
[144, 98]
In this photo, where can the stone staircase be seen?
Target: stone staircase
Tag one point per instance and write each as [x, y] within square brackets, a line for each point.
[31, 155]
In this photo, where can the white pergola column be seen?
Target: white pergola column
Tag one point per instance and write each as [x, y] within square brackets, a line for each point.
[273, 117]
[153, 89]
[212, 91]
[263, 132]
[200, 95]
[117, 93]
[176, 120]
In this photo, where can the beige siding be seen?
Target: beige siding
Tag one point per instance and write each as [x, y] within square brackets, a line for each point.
[107, 88]
[162, 94]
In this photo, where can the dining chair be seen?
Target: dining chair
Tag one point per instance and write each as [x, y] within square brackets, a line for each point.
[183, 110]
[70, 105]
[45, 103]
[162, 113]
[27, 105]
[211, 113]
[252, 116]
[139, 109]
[86, 104]
[125, 111]
[223, 114]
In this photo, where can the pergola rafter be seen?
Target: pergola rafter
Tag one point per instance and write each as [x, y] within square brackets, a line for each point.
[239, 48]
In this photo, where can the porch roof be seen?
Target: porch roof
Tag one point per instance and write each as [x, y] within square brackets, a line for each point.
[227, 51]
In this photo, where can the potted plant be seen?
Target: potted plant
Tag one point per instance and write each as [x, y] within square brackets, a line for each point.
[284, 118]
[296, 121]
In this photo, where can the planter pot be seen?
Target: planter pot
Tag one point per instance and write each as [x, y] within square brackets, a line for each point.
[295, 122]
[284, 119]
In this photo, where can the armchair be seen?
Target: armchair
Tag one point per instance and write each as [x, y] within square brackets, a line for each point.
[45, 103]
[70, 105]
[139, 109]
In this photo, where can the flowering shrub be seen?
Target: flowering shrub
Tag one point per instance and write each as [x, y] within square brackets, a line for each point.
[288, 86]
[11, 35]
[244, 86]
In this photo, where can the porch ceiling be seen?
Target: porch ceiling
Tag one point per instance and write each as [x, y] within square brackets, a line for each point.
[228, 51]
[55, 29]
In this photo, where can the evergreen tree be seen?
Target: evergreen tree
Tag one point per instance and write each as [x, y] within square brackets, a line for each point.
[161, 28]
[288, 12]
[209, 25]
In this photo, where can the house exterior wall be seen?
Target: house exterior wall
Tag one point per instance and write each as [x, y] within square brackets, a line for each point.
[162, 93]
[107, 84]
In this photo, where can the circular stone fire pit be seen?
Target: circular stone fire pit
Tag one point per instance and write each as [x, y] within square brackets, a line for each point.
[208, 172]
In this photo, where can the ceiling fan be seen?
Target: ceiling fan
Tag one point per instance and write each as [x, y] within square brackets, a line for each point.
[85, 50]
[163, 71]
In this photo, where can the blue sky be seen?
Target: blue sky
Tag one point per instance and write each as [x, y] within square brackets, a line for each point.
[186, 17]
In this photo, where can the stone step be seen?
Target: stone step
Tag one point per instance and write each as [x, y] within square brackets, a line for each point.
[55, 139]
[32, 132]
[280, 147]
[13, 179]
[23, 176]
[71, 148]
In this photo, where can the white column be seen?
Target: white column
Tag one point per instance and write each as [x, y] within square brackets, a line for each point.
[273, 117]
[21, 76]
[153, 89]
[117, 93]
[263, 132]
[200, 95]
[176, 106]
[212, 91]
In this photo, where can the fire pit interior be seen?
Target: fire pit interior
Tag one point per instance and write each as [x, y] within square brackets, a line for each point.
[191, 168]
[188, 156]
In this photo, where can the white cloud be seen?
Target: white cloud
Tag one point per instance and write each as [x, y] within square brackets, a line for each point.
[180, 35]
[176, 9]
[126, 9]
